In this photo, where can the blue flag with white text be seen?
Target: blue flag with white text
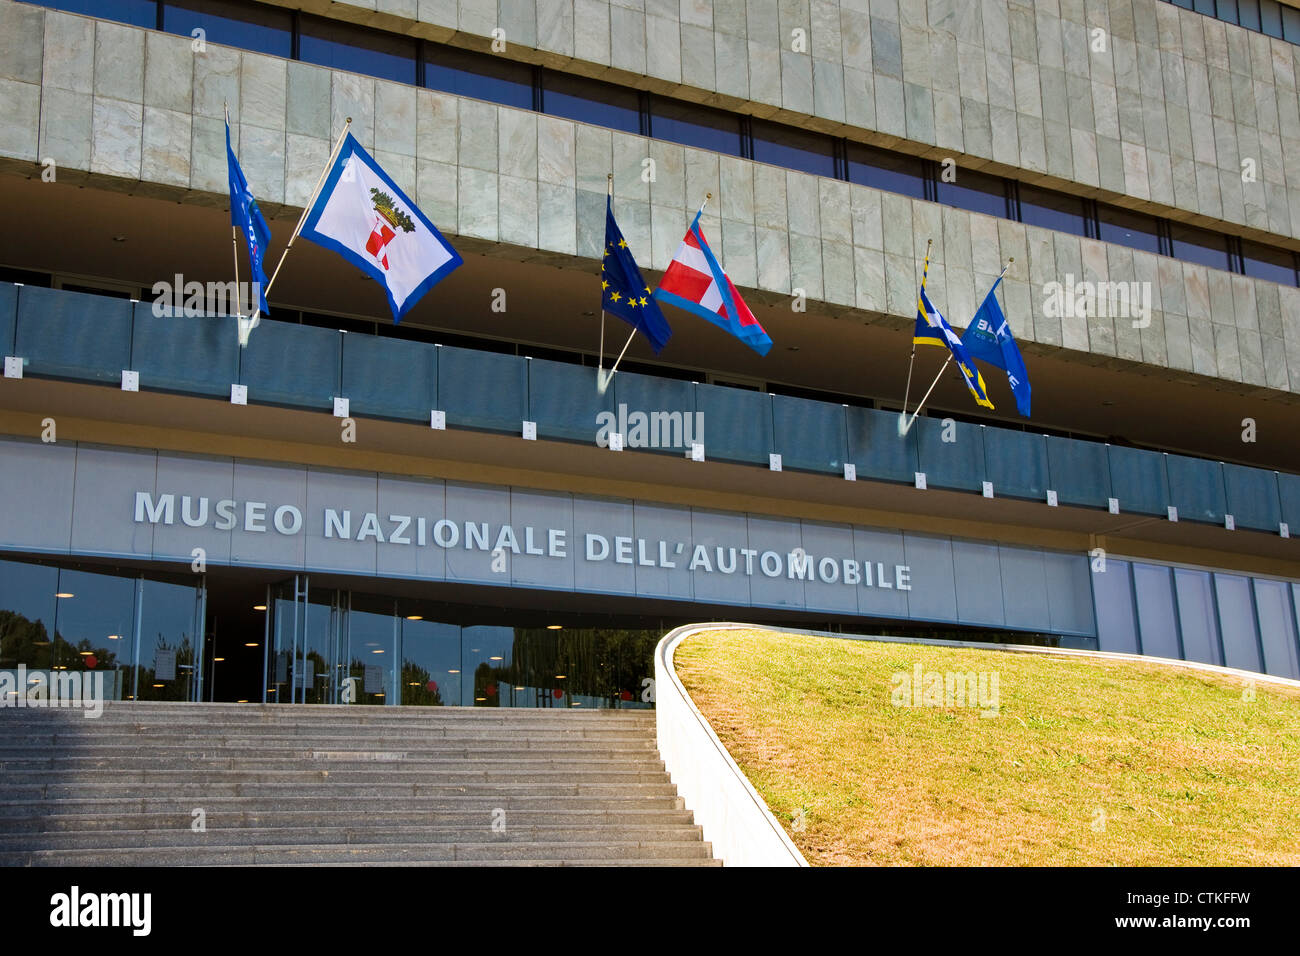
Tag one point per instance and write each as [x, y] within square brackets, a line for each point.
[245, 214]
[988, 338]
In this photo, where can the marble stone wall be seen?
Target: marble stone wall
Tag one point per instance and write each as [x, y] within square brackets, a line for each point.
[130, 108]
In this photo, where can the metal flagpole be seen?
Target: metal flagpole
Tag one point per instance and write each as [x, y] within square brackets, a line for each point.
[614, 368]
[329, 163]
[600, 356]
[234, 242]
[904, 429]
[912, 361]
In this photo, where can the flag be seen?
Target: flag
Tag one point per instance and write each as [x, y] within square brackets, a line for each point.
[988, 338]
[933, 329]
[695, 282]
[362, 215]
[622, 290]
[245, 214]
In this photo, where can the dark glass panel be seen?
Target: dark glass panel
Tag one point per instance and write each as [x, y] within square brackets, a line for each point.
[892, 172]
[1199, 245]
[490, 78]
[1127, 228]
[975, 191]
[95, 629]
[1248, 13]
[27, 604]
[1051, 210]
[793, 148]
[1264, 262]
[245, 26]
[1291, 24]
[1270, 17]
[358, 50]
[140, 13]
[697, 126]
[1226, 10]
[167, 619]
[590, 101]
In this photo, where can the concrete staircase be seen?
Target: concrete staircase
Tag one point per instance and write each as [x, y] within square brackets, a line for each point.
[342, 785]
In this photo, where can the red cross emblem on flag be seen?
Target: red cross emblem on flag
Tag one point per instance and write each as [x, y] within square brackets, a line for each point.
[380, 236]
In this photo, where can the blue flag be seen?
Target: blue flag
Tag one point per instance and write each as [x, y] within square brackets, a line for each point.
[245, 214]
[933, 329]
[622, 290]
[988, 338]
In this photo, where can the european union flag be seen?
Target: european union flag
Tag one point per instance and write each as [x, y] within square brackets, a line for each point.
[988, 337]
[245, 214]
[622, 290]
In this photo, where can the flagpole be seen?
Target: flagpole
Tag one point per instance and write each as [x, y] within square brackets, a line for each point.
[614, 368]
[904, 429]
[329, 164]
[600, 356]
[234, 245]
[912, 361]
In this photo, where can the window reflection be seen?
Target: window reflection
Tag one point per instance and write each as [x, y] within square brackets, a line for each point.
[95, 629]
[168, 641]
[793, 149]
[1275, 265]
[27, 604]
[258, 28]
[1199, 245]
[494, 79]
[975, 192]
[1126, 228]
[342, 46]
[696, 126]
[1051, 210]
[888, 171]
[140, 13]
[590, 101]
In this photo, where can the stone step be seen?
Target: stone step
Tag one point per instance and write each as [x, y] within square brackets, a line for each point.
[481, 832]
[593, 853]
[393, 774]
[331, 761]
[338, 738]
[502, 749]
[360, 790]
[316, 802]
[236, 817]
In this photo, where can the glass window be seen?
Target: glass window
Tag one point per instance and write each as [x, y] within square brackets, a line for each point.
[1156, 615]
[371, 649]
[1127, 228]
[140, 13]
[1226, 10]
[1116, 624]
[490, 78]
[167, 628]
[246, 26]
[697, 126]
[976, 192]
[1199, 245]
[793, 148]
[1248, 14]
[1200, 630]
[1277, 628]
[1237, 622]
[486, 660]
[892, 172]
[1270, 17]
[590, 101]
[1264, 262]
[1051, 210]
[1291, 24]
[1185, 4]
[430, 662]
[357, 50]
[1204, 6]
[95, 629]
[27, 614]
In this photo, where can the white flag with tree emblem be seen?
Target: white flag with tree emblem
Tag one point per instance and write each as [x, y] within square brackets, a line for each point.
[362, 215]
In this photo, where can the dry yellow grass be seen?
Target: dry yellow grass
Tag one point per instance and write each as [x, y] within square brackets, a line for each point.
[1085, 763]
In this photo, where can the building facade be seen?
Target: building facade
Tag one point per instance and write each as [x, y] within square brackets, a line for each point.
[348, 510]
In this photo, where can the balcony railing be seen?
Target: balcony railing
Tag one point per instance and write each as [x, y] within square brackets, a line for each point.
[89, 338]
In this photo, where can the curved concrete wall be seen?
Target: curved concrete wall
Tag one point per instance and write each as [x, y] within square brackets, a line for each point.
[733, 816]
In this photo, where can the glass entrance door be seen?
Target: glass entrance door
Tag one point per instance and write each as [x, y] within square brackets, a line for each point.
[302, 655]
[370, 651]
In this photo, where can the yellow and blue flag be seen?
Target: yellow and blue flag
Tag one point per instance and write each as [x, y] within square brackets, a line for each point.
[988, 338]
[622, 290]
[933, 329]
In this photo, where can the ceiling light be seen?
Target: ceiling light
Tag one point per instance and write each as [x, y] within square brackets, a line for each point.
[259, 607]
[252, 644]
[64, 594]
[480, 698]
[159, 685]
[85, 653]
[216, 659]
[554, 627]
[561, 676]
[453, 672]
[497, 658]
[415, 617]
[378, 651]
[114, 637]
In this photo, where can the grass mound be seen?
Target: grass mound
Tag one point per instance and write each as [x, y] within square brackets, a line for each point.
[1047, 761]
